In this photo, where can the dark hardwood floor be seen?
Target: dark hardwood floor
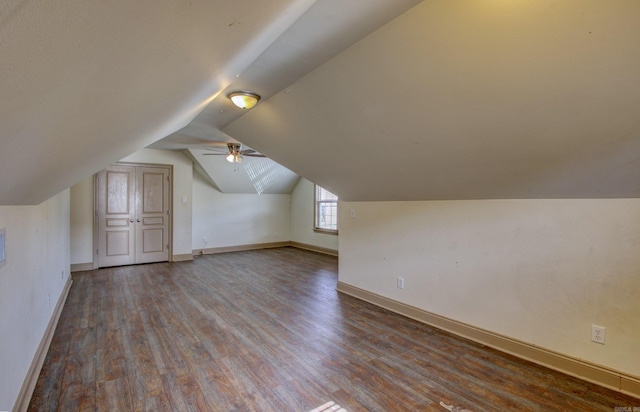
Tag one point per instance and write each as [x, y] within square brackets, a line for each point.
[266, 331]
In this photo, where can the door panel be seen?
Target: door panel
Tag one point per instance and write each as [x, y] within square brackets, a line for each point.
[152, 241]
[152, 235]
[117, 243]
[133, 215]
[116, 204]
[117, 222]
[119, 194]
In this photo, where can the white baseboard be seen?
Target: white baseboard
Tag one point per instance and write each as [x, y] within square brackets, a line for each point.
[239, 248]
[314, 248]
[29, 384]
[603, 376]
[182, 257]
[81, 267]
[255, 246]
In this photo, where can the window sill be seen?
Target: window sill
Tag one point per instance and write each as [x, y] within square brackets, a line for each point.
[326, 231]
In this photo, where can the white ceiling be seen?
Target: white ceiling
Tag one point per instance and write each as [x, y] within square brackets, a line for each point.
[254, 175]
[84, 84]
[451, 100]
[469, 100]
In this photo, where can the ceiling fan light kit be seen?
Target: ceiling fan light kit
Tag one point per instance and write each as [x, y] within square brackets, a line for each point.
[234, 157]
[236, 153]
[244, 99]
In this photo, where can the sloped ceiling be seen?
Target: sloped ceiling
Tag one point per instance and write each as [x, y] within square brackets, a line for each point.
[451, 100]
[84, 83]
[469, 100]
[323, 31]
[255, 175]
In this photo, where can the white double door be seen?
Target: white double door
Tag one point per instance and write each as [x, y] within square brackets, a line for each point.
[133, 213]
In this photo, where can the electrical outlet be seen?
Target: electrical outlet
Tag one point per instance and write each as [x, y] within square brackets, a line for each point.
[597, 334]
[400, 283]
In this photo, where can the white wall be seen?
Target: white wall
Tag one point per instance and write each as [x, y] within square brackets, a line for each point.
[82, 221]
[82, 205]
[31, 282]
[231, 219]
[223, 219]
[541, 271]
[302, 210]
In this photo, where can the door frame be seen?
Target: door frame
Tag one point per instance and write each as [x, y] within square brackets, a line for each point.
[95, 207]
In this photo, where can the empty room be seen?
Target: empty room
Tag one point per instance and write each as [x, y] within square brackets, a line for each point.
[316, 205]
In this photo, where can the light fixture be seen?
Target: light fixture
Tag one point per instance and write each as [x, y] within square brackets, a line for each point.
[244, 99]
[234, 157]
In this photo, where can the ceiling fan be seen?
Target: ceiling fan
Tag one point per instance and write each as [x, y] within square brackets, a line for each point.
[235, 153]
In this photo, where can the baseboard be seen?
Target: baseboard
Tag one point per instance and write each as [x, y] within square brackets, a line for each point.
[255, 246]
[314, 248]
[29, 384]
[81, 267]
[239, 248]
[630, 386]
[584, 370]
[182, 258]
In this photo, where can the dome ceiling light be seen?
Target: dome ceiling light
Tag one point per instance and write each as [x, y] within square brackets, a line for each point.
[244, 99]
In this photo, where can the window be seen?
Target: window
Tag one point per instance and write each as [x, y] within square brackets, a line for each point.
[326, 213]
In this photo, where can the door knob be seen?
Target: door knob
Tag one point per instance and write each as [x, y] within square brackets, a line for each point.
[131, 220]
[138, 220]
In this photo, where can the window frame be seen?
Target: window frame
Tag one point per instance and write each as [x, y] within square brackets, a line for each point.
[316, 211]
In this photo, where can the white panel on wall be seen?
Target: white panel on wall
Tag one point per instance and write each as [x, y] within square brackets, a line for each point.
[3, 255]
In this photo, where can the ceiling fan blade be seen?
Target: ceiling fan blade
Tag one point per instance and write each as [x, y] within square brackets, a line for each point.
[236, 151]
[251, 152]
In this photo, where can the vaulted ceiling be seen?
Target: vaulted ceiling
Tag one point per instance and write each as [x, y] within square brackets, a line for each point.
[373, 99]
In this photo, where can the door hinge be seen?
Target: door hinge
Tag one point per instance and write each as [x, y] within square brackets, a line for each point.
[97, 251]
[168, 213]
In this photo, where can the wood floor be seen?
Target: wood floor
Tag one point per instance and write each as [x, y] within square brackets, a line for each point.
[266, 331]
